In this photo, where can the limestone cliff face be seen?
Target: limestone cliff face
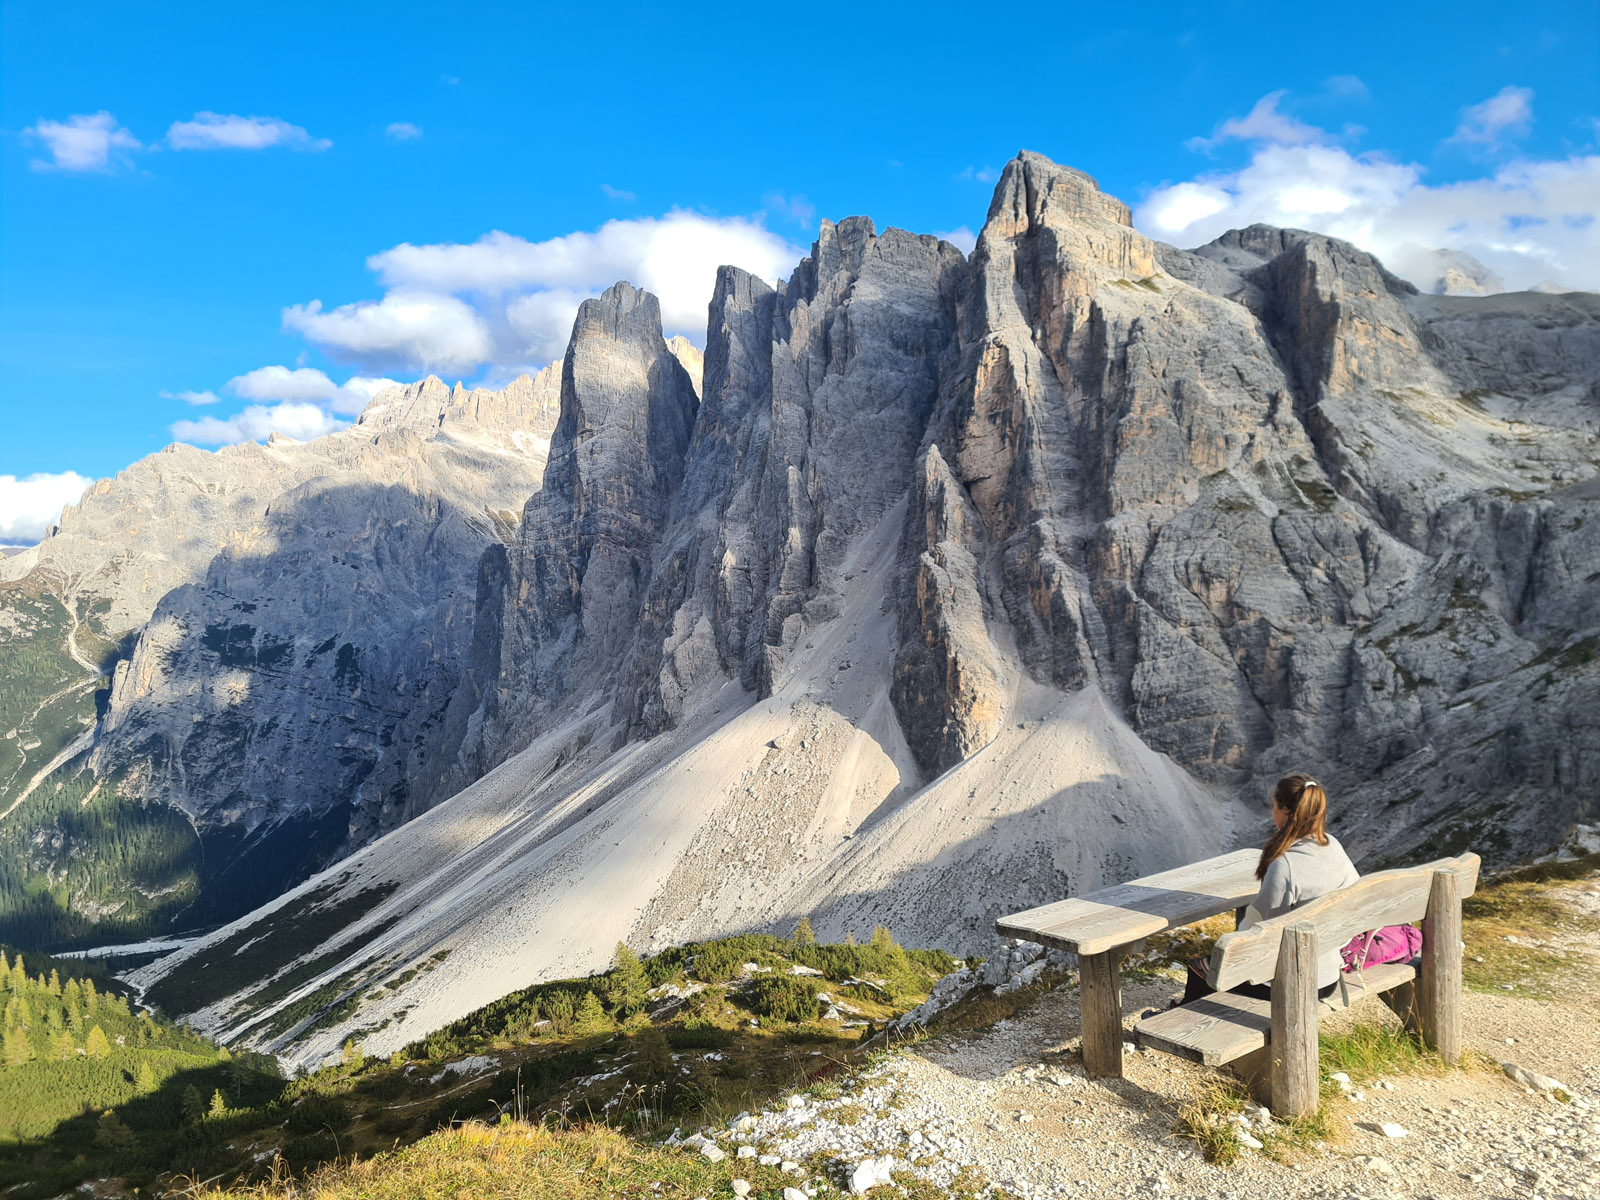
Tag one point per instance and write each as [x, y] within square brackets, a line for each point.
[1269, 497]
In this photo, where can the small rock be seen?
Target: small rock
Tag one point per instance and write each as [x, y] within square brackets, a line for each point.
[870, 1173]
[1378, 1166]
[1246, 1140]
[790, 1193]
[768, 1160]
[746, 1152]
[741, 1188]
[1340, 1078]
[1390, 1130]
[714, 1153]
[1532, 1079]
[789, 1168]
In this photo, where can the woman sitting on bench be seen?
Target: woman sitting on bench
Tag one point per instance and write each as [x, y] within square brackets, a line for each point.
[1300, 862]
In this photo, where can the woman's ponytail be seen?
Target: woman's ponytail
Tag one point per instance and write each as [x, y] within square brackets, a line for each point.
[1306, 803]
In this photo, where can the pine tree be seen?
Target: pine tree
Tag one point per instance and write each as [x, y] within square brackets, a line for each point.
[238, 1076]
[18, 1048]
[626, 987]
[352, 1056]
[192, 1105]
[62, 1047]
[111, 1133]
[802, 933]
[97, 1045]
[90, 999]
[219, 1104]
[655, 1056]
[55, 982]
[881, 939]
[147, 1077]
[591, 1015]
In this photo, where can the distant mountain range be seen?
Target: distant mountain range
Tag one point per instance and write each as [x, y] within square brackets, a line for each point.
[944, 585]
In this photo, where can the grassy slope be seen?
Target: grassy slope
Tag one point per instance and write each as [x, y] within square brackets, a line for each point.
[573, 1049]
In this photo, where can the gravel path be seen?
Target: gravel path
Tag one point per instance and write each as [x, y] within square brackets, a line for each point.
[1011, 1101]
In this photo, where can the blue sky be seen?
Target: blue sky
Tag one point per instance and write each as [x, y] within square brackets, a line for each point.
[261, 206]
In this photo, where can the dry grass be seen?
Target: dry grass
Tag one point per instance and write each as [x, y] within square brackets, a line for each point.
[1522, 934]
[536, 1162]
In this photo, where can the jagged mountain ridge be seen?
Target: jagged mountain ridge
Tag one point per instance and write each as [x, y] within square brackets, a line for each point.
[281, 625]
[981, 580]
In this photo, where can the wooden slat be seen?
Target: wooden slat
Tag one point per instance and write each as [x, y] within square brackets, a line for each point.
[1384, 898]
[1220, 1028]
[1110, 917]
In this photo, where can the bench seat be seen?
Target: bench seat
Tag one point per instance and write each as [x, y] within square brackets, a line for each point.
[1225, 1026]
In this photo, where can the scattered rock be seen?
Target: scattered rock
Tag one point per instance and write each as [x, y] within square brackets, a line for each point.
[871, 1173]
[1532, 1079]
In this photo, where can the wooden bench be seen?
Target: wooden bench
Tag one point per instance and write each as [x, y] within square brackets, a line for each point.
[1104, 926]
[1273, 1043]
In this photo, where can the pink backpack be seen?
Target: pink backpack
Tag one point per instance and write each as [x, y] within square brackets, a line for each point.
[1392, 943]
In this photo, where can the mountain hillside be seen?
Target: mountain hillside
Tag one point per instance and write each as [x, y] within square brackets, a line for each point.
[223, 667]
[965, 583]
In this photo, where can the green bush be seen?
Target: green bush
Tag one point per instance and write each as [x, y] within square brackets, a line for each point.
[783, 997]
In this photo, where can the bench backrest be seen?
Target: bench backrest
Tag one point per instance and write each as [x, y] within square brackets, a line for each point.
[1383, 898]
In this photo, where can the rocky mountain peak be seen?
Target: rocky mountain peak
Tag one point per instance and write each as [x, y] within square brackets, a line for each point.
[1033, 192]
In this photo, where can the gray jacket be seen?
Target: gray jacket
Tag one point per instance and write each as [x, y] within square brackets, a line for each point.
[1303, 872]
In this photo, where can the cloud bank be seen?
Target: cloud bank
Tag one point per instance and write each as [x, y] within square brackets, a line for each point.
[504, 303]
[30, 505]
[1530, 221]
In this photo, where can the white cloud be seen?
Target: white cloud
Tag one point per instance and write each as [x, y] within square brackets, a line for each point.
[83, 142]
[426, 330]
[1509, 111]
[504, 302]
[299, 421]
[1530, 221]
[29, 506]
[797, 208]
[403, 131]
[1263, 123]
[985, 174]
[225, 131]
[1346, 87]
[305, 385]
[197, 398]
[962, 238]
[615, 193]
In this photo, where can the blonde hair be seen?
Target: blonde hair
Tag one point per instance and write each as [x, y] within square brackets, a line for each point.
[1306, 803]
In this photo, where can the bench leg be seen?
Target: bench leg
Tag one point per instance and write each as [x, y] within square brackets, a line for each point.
[1402, 1001]
[1439, 983]
[1294, 1023]
[1255, 1072]
[1100, 998]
